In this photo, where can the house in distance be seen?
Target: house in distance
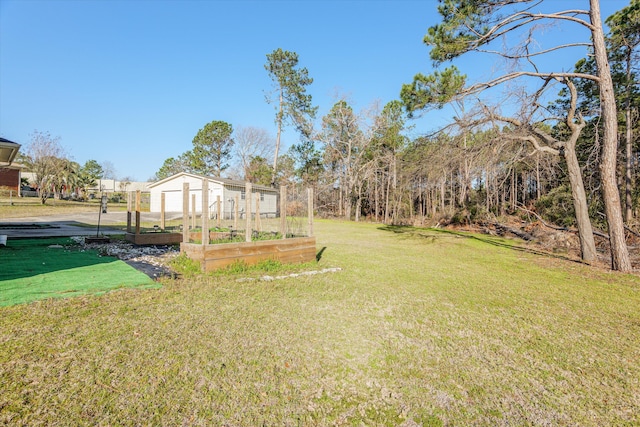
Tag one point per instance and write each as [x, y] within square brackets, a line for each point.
[230, 192]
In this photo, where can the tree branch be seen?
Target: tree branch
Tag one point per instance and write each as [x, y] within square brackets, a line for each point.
[479, 87]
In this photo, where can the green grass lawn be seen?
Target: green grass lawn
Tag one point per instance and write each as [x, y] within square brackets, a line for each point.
[420, 327]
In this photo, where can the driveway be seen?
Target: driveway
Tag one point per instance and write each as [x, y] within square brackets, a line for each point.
[79, 224]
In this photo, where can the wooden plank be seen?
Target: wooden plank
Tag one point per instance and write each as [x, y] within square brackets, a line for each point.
[247, 210]
[129, 212]
[154, 238]
[205, 211]
[236, 210]
[310, 210]
[163, 203]
[295, 250]
[283, 211]
[193, 211]
[218, 211]
[258, 247]
[137, 211]
[185, 212]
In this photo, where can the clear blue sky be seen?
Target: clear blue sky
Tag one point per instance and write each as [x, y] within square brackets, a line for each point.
[132, 81]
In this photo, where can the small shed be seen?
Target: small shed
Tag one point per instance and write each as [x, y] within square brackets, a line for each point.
[227, 189]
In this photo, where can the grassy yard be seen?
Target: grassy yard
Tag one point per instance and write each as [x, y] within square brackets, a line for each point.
[420, 327]
[18, 207]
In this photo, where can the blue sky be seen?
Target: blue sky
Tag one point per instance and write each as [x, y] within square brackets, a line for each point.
[132, 81]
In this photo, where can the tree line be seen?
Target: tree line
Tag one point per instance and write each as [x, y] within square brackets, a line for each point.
[556, 144]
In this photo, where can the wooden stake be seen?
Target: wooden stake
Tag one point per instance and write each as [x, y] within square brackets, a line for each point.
[205, 211]
[193, 211]
[310, 210]
[218, 211]
[236, 210]
[129, 194]
[283, 211]
[137, 211]
[247, 200]
[258, 221]
[185, 212]
[162, 212]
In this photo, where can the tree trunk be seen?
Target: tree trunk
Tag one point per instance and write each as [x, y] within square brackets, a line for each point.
[513, 194]
[340, 199]
[537, 176]
[524, 178]
[619, 252]
[275, 156]
[585, 231]
[347, 201]
[376, 201]
[629, 147]
[434, 201]
[386, 201]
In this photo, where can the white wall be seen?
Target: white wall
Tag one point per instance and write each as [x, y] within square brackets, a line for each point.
[172, 190]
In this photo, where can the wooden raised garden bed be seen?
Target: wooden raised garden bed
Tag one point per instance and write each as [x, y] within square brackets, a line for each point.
[157, 238]
[213, 257]
[213, 235]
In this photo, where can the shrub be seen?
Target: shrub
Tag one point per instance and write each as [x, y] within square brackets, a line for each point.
[557, 207]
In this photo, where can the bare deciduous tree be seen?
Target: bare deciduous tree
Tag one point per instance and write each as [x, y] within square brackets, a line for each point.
[252, 143]
[46, 158]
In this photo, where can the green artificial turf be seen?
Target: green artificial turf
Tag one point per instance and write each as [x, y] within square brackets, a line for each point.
[35, 269]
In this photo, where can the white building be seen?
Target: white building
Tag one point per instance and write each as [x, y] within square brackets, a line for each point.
[229, 191]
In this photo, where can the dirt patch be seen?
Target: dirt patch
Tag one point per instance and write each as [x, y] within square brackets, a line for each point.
[557, 242]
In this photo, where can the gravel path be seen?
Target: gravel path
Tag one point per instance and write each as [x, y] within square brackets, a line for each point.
[151, 260]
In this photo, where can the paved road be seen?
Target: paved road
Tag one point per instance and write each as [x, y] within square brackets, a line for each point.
[80, 224]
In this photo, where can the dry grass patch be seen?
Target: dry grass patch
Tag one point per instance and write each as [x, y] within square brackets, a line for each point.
[419, 328]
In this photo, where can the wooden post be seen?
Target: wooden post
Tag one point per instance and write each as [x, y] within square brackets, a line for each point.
[162, 213]
[205, 211]
[137, 211]
[236, 210]
[247, 202]
[258, 221]
[218, 211]
[283, 211]
[129, 211]
[193, 211]
[310, 210]
[185, 212]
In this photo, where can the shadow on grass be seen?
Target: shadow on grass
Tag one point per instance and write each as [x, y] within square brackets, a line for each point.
[319, 254]
[494, 241]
